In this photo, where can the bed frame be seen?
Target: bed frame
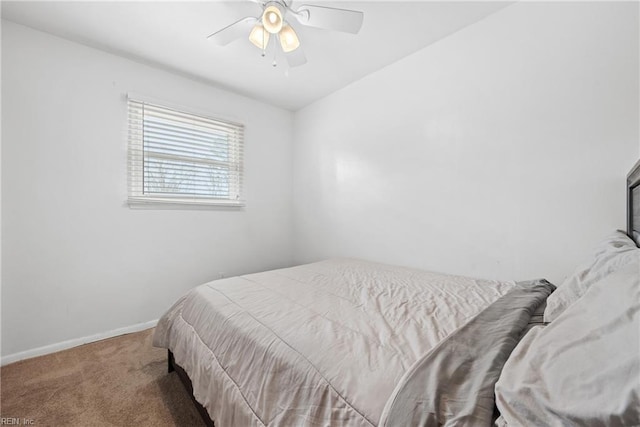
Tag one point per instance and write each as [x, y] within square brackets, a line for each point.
[186, 381]
[633, 202]
[633, 225]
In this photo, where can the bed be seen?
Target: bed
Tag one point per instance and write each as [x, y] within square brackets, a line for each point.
[347, 342]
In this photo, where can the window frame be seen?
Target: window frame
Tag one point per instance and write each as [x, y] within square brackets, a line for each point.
[137, 198]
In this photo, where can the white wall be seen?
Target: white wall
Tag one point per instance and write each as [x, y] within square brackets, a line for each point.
[498, 152]
[76, 260]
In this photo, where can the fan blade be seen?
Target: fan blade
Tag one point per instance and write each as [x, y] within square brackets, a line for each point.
[330, 18]
[234, 31]
[296, 58]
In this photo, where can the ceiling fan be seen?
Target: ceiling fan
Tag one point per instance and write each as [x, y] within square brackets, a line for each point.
[273, 23]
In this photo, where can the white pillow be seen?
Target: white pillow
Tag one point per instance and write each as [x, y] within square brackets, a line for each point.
[611, 254]
[584, 368]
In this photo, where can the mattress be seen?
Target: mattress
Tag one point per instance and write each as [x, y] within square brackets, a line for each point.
[345, 342]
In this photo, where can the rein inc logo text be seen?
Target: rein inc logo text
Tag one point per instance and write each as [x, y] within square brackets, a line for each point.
[9, 421]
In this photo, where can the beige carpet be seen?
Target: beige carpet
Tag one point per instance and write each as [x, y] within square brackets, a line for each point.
[121, 381]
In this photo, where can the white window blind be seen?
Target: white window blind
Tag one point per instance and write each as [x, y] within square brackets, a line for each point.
[180, 157]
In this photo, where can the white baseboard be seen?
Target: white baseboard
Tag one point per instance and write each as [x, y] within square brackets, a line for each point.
[52, 348]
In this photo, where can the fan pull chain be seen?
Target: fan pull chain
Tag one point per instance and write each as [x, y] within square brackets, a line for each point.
[275, 50]
[264, 47]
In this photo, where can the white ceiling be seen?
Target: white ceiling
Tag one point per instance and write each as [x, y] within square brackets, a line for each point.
[172, 35]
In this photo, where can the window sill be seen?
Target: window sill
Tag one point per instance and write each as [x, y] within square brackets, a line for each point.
[180, 203]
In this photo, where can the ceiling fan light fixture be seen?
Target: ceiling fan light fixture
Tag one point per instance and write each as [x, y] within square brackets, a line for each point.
[259, 37]
[272, 19]
[288, 39]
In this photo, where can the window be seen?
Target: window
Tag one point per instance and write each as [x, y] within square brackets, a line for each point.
[185, 158]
